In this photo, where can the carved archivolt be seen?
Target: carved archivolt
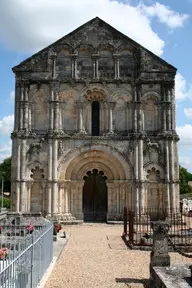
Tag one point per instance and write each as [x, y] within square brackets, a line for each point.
[95, 94]
[66, 95]
[102, 157]
[151, 95]
[122, 95]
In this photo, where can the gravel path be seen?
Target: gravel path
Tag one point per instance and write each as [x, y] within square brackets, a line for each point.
[96, 257]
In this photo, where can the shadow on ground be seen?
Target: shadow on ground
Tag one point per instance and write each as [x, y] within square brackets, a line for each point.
[145, 282]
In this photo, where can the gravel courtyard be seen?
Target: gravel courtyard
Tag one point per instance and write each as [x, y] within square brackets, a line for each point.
[96, 257]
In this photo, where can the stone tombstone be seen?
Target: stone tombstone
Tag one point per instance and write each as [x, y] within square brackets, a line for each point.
[159, 254]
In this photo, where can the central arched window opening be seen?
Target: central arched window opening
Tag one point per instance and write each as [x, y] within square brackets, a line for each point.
[95, 118]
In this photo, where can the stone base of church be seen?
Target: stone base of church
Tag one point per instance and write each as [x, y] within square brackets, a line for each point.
[114, 217]
[61, 217]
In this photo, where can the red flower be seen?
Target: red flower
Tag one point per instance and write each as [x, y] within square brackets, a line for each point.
[30, 228]
[3, 253]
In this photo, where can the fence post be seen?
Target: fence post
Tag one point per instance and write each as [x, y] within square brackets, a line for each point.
[159, 255]
[32, 256]
[125, 220]
[131, 223]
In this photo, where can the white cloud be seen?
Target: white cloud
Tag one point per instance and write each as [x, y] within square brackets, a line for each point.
[188, 113]
[186, 162]
[5, 150]
[6, 125]
[29, 26]
[181, 89]
[185, 134]
[165, 15]
[12, 96]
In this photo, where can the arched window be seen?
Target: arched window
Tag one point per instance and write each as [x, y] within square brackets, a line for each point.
[95, 118]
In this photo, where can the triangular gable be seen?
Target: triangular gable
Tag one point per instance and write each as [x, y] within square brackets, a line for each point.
[81, 35]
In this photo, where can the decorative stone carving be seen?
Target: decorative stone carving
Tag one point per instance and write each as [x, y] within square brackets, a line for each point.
[153, 145]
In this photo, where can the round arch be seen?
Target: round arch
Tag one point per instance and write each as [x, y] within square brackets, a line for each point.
[76, 163]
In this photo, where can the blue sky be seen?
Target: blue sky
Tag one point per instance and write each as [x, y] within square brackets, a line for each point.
[163, 27]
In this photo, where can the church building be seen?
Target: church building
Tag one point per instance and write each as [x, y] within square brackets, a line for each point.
[94, 128]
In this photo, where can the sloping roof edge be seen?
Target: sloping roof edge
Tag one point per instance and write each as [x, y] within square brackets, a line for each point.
[79, 28]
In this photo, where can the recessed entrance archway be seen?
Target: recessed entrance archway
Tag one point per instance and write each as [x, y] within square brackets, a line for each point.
[109, 163]
[95, 196]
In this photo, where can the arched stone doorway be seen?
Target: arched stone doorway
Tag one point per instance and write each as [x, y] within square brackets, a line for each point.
[95, 196]
[74, 167]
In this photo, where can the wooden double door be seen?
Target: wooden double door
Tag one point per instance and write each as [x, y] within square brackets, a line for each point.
[95, 196]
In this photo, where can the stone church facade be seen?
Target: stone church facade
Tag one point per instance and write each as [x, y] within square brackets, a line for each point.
[94, 128]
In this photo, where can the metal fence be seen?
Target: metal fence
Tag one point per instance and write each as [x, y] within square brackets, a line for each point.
[29, 255]
[137, 227]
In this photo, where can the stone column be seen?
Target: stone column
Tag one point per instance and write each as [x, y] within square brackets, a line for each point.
[137, 183]
[29, 187]
[25, 108]
[22, 176]
[127, 109]
[53, 56]
[140, 175]
[94, 66]
[80, 110]
[74, 65]
[97, 66]
[116, 60]
[54, 177]
[167, 178]
[17, 106]
[111, 106]
[51, 110]
[21, 106]
[49, 186]
[80, 194]
[29, 115]
[164, 118]
[18, 170]
[172, 176]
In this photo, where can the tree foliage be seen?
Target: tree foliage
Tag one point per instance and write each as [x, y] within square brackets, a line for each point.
[5, 172]
[184, 177]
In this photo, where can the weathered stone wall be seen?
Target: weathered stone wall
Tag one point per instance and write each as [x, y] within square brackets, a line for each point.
[136, 146]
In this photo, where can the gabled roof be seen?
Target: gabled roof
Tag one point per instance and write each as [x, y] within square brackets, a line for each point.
[90, 23]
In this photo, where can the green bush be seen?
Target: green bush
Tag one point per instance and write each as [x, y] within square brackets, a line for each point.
[6, 203]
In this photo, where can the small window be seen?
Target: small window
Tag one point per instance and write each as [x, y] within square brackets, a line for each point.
[95, 118]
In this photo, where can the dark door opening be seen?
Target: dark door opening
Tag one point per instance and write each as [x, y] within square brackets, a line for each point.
[95, 196]
[95, 118]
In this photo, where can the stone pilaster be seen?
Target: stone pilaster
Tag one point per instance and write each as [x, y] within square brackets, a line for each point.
[54, 177]
[81, 128]
[53, 56]
[74, 66]
[49, 186]
[111, 106]
[172, 176]
[116, 60]
[21, 106]
[137, 186]
[167, 178]
[23, 176]
[140, 175]
[51, 109]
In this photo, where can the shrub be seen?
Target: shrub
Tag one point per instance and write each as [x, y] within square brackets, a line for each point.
[6, 203]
